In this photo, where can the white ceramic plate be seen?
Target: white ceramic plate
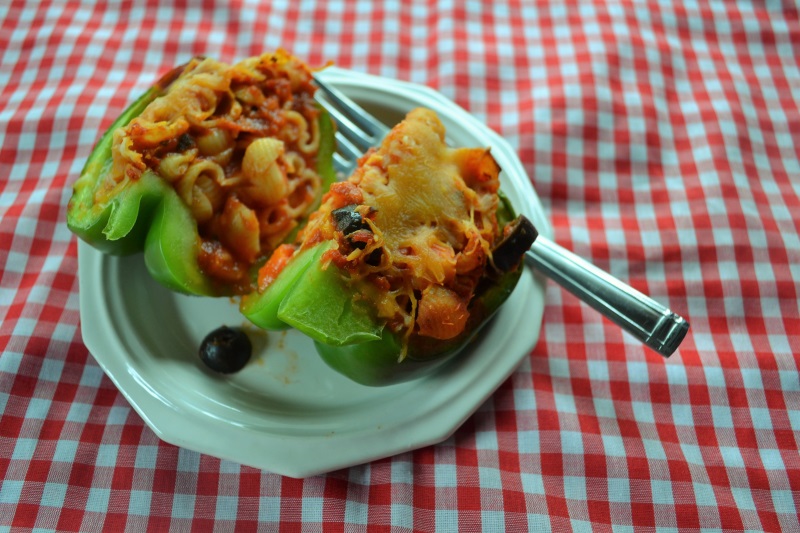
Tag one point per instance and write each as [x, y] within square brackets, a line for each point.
[286, 411]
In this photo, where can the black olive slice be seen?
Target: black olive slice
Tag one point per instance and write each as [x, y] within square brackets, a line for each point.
[374, 258]
[226, 350]
[508, 252]
[348, 220]
[185, 142]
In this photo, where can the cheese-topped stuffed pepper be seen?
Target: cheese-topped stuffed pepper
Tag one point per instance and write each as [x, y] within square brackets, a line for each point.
[403, 263]
[208, 172]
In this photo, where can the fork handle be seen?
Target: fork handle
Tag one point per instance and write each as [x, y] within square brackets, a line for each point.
[647, 320]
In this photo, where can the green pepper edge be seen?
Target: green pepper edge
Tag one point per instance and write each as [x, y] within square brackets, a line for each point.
[112, 227]
[332, 302]
[261, 308]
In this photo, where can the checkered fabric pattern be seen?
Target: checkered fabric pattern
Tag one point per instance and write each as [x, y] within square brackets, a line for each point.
[663, 138]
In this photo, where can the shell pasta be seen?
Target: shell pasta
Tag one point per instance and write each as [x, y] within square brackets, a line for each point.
[239, 145]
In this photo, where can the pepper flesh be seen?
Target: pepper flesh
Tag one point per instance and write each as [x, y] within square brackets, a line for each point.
[147, 214]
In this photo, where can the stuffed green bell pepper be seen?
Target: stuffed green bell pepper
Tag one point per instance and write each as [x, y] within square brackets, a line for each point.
[208, 172]
[403, 263]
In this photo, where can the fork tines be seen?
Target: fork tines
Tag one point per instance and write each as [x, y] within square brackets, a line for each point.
[357, 130]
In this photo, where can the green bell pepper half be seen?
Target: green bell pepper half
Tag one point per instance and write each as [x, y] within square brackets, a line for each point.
[148, 215]
[347, 334]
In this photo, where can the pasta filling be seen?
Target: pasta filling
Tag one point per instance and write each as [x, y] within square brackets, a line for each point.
[239, 145]
[413, 228]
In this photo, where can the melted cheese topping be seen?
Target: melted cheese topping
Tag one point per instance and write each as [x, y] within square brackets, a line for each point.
[421, 203]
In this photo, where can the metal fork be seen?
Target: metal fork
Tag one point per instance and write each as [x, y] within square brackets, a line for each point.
[641, 316]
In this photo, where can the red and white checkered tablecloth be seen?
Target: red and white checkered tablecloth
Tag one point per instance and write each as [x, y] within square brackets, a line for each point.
[664, 140]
